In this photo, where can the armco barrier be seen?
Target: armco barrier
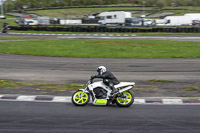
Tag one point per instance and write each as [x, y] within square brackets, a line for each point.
[106, 29]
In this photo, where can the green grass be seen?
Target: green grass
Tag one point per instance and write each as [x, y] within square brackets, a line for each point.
[10, 22]
[80, 12]
[42, 86]
[193, 88]
[8, 16]
[7, 84]
[104, 48]
[158, 80]
[64, 87]
[13, 84]
[136, 11]
[13, 38]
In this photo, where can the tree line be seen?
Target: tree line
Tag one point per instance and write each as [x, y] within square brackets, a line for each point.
[20, 5]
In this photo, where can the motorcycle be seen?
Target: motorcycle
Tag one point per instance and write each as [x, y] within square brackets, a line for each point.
[5, 30]
[101, 94]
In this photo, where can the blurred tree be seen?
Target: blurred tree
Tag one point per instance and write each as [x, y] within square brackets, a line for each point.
[196, 2]
[151, 2]
[10, 5]
[161, 3]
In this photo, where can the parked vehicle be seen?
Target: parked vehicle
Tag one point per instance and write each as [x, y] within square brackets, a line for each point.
[133, 21]
[195, 22]
[70, 21]
[2, 17]
[148, 22]
[123, 97]
[117, 18]
[6, 28]
[30, 22]
[180, 20]
[192, 14]
[43, 21]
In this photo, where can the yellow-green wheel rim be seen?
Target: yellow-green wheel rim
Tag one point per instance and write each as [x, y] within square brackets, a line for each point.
[128, 99]
[78, 99]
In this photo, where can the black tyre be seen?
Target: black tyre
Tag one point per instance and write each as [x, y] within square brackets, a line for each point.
[78, 100]
[125, 102]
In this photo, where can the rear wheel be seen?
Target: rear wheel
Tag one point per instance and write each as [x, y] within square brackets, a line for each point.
[79, 100]
[125, 99]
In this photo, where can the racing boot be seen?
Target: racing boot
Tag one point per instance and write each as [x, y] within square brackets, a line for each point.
[114, 90]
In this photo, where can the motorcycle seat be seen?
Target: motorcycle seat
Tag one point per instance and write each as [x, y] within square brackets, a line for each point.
[123, 84]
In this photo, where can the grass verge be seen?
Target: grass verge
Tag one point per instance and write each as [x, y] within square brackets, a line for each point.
[158, 80]
[104, 48]
[14, 38]
[42, 86]
[193, 88]
[7, 84]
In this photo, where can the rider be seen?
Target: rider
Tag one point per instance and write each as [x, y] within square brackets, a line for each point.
[108, 78]
[6, 28]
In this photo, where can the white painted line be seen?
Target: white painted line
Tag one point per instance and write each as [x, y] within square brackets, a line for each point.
[61, 99]
[26, 98]
[139, 101]
[60, 34]
[110, 35]
[14, 33]
[102, 34]
[172, 101]
[95, 34]
[53, 34]
[47, 34]
[1, 96]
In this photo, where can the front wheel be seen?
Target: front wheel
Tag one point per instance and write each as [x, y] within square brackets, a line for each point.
[125, 99]
[79, 100]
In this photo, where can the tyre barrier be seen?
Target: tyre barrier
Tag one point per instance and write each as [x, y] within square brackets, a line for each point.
[105, 29]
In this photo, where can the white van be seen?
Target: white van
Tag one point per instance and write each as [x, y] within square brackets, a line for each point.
[113, 17]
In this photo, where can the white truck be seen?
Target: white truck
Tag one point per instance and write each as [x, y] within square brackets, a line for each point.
[192, 14]
[117, 18]
[180, 20]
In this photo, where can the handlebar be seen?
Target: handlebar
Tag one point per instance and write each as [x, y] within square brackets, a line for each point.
[90, 81]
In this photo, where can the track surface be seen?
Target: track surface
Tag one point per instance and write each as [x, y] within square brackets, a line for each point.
[31, 117]
[112, 36]
[61, 69]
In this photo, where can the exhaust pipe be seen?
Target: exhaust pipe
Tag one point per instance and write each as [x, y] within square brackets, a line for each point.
[125, 89]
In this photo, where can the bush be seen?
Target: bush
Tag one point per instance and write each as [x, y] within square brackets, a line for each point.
[161, 3]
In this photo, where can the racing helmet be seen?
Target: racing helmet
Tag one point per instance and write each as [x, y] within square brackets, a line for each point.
[101, 70]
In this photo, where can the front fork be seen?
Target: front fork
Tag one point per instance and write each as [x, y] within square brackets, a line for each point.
[83, 91]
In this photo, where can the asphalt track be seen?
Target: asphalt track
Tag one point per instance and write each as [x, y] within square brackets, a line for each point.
[112, 36]
[79, 70]
[35, 117]
[44, 117]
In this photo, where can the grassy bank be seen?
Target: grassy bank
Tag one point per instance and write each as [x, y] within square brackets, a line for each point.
[136, 11]
[41, 86]
[104, 48]
[81, 12]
